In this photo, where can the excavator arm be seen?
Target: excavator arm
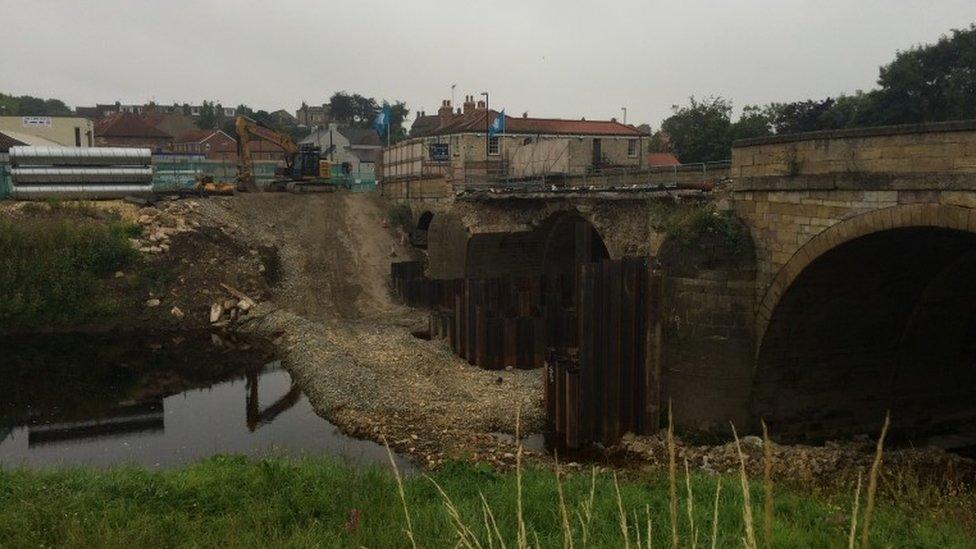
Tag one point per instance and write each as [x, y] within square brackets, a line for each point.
[246, 129]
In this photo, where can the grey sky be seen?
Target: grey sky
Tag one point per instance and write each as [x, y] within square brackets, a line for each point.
[558, 58]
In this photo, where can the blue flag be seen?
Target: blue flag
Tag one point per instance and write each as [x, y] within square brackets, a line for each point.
[498, 125]
[382, 121]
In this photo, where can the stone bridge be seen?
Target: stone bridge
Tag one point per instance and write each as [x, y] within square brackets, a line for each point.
[830, 280]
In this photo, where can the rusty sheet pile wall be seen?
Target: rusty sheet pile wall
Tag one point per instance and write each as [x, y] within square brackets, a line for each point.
[595, 333]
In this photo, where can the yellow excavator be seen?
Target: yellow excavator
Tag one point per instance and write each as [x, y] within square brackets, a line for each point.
[304, 171]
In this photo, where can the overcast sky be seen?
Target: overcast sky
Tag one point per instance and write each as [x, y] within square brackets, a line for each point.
[553, 58]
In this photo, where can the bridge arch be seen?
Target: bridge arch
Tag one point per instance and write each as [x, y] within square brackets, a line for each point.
[553, 247]
[876, 313]
[914, 215]
[418, 237]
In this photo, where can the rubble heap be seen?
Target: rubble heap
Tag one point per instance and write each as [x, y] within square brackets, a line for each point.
[160, 222]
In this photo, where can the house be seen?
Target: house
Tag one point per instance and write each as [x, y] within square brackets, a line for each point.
[424, 124]
[7, 141]
[453, 145]
[176, 124]
[213, 144]
[282, 117]
[353, 148]
[67, 131]
[311, 116]
[125, 129]
[102, 110]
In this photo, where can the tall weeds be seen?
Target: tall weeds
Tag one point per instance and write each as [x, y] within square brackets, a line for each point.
[767, 487]
[750, 538]
[630, 530]
[672, 486]
[51, 268]
[873, 482]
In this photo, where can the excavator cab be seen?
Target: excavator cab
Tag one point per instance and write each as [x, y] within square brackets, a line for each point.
[305, 164]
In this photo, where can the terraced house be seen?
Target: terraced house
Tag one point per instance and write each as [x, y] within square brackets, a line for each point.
[454, 147]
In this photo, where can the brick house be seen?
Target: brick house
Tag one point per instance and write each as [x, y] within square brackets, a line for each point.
[214, 144]
[453, 145]
[125, 129]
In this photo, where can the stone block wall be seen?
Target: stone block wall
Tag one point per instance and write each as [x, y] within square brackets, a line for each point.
[708, 349]
[948, 147]
[790, 189]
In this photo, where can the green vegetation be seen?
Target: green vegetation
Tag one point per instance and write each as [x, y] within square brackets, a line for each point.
[230, 501]
[928, 83]
[705, 229]
[53, 265]
[400, 216]
[26, 105]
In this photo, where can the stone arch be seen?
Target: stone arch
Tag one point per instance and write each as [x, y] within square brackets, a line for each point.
[418, 237]
[914, 215]
[570, 238]
[423, 222]
[548, 247]
[877, 313]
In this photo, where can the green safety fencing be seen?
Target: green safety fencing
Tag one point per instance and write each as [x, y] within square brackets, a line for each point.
[5, 186]
[174, 176]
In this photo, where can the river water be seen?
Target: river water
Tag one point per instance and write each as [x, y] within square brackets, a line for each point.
[157, 402]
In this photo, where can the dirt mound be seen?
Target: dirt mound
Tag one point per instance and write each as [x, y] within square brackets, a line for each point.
[334, 251]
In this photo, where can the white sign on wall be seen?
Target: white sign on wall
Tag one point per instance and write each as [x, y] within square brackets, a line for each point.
[37, 121]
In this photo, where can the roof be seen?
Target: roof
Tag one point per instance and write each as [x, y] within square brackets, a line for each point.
[124, 124]
[424, 124]
[662, 159]
[256, 146]
[361, 136]
[476, 122]
[7, 141]
[364, 155]
[199, 136]
[19, 138]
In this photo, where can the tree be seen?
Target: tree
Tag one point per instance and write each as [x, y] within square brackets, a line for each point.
[852, 111]
[342, 107]
[930, 83]
[700, 132]
[753, 122]
[799, 116]
[398, 113]
[26, 105]
[364, 111]
[208, 118]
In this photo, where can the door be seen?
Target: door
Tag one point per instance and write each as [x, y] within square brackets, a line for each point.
[597, 153]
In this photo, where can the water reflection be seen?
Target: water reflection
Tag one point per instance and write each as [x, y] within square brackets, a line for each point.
[158, 413]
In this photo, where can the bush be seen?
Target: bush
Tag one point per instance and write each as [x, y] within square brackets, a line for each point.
[51, 269]
[401, 217]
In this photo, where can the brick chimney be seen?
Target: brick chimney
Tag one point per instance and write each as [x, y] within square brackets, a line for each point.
[445, 112]
[481, 106]
[468, 104]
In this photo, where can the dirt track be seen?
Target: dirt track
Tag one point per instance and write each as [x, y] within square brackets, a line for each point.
[334, 252]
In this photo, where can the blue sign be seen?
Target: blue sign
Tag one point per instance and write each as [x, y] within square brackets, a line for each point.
[440, 152]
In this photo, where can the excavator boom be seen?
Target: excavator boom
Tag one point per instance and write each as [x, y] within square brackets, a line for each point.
[246, 129]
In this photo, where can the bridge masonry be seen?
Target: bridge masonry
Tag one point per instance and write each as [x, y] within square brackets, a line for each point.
[803, 195]
[857, 253]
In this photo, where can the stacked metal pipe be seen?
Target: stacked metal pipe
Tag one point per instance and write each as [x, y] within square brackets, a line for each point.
[71, 172]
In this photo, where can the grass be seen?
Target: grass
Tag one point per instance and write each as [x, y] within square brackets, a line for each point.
[52, 266]
[231, 501]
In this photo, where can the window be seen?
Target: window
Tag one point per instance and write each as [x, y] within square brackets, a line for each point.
[77, 136]
[493, 146]
[631, 148]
